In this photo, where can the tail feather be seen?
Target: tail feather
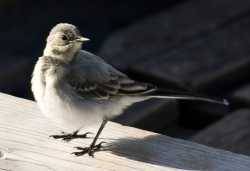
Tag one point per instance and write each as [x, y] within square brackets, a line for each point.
[168, 94]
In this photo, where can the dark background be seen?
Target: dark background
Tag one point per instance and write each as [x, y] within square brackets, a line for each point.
[201, 46]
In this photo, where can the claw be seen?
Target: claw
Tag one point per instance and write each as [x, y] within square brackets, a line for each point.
[79, 148]
[79, 153]
[87, 133]
[69, 137]
[90, 150]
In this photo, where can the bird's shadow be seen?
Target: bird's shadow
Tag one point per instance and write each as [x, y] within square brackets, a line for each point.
[149, 151]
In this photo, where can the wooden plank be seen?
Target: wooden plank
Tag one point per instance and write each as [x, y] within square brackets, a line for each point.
[24, 146]
[10, 80]
[170, 29]
[202, 45]
[209, 63]
[198, 115]
[192, 44]
[231, 133]
[241, 97]
[141, 115]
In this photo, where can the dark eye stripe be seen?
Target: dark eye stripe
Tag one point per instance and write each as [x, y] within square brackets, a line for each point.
[64, 37]
[70, 34]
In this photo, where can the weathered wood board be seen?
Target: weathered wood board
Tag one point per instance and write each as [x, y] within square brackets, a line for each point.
[25, 145]
[230, 133]
[241, 96]
[203, 45]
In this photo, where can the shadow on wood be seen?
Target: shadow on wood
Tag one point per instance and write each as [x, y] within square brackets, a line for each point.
[149, 152]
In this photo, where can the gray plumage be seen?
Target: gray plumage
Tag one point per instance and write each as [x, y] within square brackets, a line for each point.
[77, 88]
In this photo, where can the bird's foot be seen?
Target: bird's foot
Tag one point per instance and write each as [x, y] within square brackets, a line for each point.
[88, 150]
[69, 137]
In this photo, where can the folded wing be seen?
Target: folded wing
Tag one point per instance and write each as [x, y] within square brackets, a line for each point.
[91, 77]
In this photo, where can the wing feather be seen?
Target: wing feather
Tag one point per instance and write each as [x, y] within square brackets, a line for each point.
[91, 77]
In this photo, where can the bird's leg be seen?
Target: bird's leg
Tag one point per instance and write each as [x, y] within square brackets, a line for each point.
[71, 136]
[93, 147]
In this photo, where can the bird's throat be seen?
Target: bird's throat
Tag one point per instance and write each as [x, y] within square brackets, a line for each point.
[62, 53]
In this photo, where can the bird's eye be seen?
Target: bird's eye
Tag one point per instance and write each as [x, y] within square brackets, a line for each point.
[64, 37]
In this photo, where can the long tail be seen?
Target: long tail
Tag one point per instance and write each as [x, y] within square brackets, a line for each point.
[169, 94]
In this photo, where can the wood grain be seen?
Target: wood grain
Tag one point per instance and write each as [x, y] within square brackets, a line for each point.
[25, 146]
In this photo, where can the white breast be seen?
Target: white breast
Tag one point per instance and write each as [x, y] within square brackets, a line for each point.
[37, 85]
[58, 103]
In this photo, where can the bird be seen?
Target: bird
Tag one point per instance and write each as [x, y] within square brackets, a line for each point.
[76, 88]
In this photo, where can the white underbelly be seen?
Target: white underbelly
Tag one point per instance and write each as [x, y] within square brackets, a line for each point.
[65, 110]
[73, 113]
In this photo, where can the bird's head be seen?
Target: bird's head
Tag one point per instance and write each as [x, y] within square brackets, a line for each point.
[64, 41]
